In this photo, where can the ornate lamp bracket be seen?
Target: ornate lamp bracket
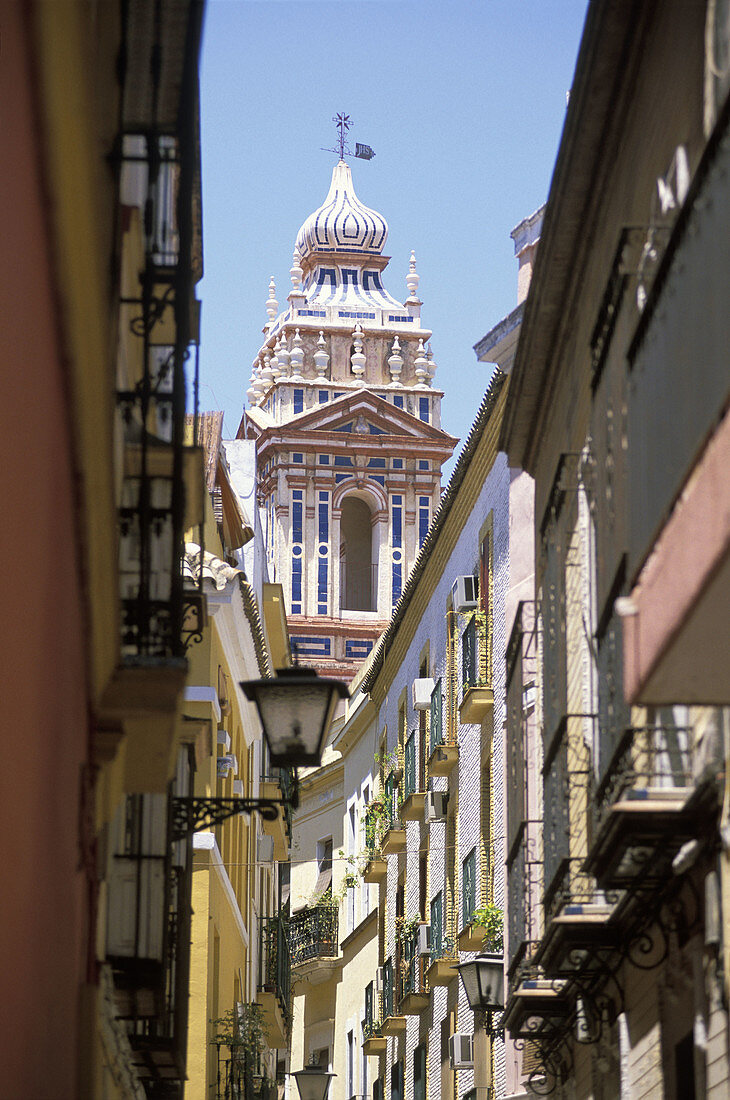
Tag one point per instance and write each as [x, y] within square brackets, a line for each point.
[191, 815]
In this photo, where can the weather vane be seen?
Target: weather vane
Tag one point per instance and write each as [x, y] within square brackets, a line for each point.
[343, 123]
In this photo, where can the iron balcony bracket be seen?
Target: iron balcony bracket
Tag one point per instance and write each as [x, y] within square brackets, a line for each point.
[191, 815]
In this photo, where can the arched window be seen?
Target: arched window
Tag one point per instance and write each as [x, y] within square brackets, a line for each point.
[357, 587]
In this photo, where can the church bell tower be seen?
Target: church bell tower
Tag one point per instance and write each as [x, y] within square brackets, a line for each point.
[347, 421]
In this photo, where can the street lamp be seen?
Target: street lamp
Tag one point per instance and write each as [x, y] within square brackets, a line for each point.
[483, 981]
[296, 708]
[313, 1082]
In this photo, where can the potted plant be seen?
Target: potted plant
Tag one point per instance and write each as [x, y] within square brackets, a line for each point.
[491, 919]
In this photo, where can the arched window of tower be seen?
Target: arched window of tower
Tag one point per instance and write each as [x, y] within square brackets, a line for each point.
[358, 584]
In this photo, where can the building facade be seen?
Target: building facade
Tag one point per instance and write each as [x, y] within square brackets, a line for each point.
[347, 425]
[617, 406]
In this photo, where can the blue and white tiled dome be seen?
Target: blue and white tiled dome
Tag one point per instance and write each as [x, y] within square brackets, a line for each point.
[342, 223]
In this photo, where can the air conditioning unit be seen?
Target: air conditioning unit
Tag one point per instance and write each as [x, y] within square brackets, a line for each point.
[224, 739]
[424, 939]
[436, 805]
[465, 593]
[264, 849]
[422, 692]
[461, 1054]
[379, 980]
[227, 764]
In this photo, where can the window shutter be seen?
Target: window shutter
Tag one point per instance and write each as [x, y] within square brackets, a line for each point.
[436, 734]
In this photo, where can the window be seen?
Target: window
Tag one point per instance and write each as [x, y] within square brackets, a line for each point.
[398, 401]
[424, 519]
[424, 464]
[468, 887]
[350, 1063]
[424, 409]
[323, 460]
[324, 867]
[419, 1072]
[298, 401]
[323, 396]
[396, 1081]
[297, 456]
[397, 463]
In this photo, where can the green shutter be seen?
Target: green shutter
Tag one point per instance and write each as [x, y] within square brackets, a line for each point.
[468, 887]
[469, 653]
[436, 705]
[436, 926]
[410, 766]
[419, 1072]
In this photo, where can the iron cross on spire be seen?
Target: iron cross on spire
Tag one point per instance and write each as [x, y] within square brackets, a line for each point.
[343, 123]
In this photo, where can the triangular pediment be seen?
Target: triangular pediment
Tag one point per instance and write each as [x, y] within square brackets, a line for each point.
[362, 413]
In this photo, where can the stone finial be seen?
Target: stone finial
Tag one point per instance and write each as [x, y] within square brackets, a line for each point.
[251, 392]
[431, 362]
[420, 365]
[274, 365]
[395, 362]
[296, 358]
[296, 270]
[259, 380]
[268, 372]
[321, 358]
[283, 357]
[412, 280]
[272, 306]
[357, 359]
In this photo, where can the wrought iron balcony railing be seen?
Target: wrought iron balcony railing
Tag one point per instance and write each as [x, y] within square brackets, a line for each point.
[650, 762]
[413, 969]
[313, 934]
[392, 798]
[276, 961]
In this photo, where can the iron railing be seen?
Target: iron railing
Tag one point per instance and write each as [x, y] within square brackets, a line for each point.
[409, 767]
[388, 989]
[313, 933]
[276, 961]
[373, 1020]
[392, 798]
[413, 968]
[567, 794]
[649, 761]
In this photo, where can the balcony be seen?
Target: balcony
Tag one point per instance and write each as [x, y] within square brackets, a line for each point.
[376, 867]
[394, 835]
[444, 957]
[373, 1041]
[314, 943]
[443, 759]
[579, 924]
[278, 785]
[647, 806]
[477, 701]
[414, 994]
[414, 796]
[274, 994]
[393, 1022]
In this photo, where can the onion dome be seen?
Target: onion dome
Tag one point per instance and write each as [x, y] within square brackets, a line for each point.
[342, 223]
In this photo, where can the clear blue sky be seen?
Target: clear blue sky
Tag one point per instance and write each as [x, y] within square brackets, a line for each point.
[463, 103]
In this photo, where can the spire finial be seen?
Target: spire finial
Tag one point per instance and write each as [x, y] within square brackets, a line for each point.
[412, 279]
[272, 306]
[343, 124]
